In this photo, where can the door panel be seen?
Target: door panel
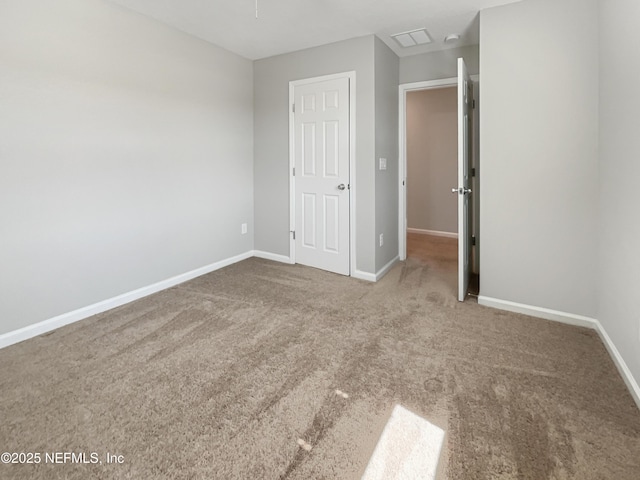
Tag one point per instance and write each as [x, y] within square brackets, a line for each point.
[331, 221]
[331, 153]
[309, 220]
[321, 155]
[309, 149]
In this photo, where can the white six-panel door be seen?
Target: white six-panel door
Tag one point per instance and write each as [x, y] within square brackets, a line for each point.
[321, 174]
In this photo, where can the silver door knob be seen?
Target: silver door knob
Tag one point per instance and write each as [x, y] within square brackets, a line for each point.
[342, 186]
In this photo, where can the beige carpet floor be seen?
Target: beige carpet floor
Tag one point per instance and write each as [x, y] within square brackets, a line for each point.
[220, 377]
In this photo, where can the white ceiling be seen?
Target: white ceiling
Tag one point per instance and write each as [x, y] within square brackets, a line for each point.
[288, 25]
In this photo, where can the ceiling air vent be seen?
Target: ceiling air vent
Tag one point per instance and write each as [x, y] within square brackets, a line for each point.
[412, 38]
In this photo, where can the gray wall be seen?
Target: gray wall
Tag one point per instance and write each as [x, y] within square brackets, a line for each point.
[538, 145]
[386, 109]
[618, 281]
[271, 141]
[437, 65]
[126, 155]
[432, 159]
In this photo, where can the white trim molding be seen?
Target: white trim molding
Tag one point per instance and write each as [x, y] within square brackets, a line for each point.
[384, 270]
[626, 374]
[272, 256]
[360, 275]
[435, 233]
[374, 277]
[58, 321]
[539, 312]
[576, 320]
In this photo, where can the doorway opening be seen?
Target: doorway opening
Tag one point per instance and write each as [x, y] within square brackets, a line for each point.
[432, 151]
[435, 121]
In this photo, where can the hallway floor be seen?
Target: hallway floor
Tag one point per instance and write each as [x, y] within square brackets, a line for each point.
[441, 255]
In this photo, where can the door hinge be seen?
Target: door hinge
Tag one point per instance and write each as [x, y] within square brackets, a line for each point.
[294, 171]
[473, 172]
[293, 232]
[473, 103]
[293, 107]
[473, 240]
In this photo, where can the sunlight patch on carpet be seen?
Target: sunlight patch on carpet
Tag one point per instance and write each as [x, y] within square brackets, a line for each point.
[342, 394]
[409, 448]
[304, 445]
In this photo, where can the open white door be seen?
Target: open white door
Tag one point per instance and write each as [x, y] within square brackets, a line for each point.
[321, 147]
[463, 190]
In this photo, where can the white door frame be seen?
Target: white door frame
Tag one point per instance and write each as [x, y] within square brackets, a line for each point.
[352, 158]
[402, 154]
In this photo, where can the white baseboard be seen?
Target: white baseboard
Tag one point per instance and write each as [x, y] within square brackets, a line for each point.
[359, 274]
[571, 319]
[369, 277]
[45, 326]
[546, 313]
[383, 271]
[374, 277]
[435, 233]
[272, 256]
[626, 374]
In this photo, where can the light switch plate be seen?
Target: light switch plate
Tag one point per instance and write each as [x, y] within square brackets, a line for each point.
[383, 163]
